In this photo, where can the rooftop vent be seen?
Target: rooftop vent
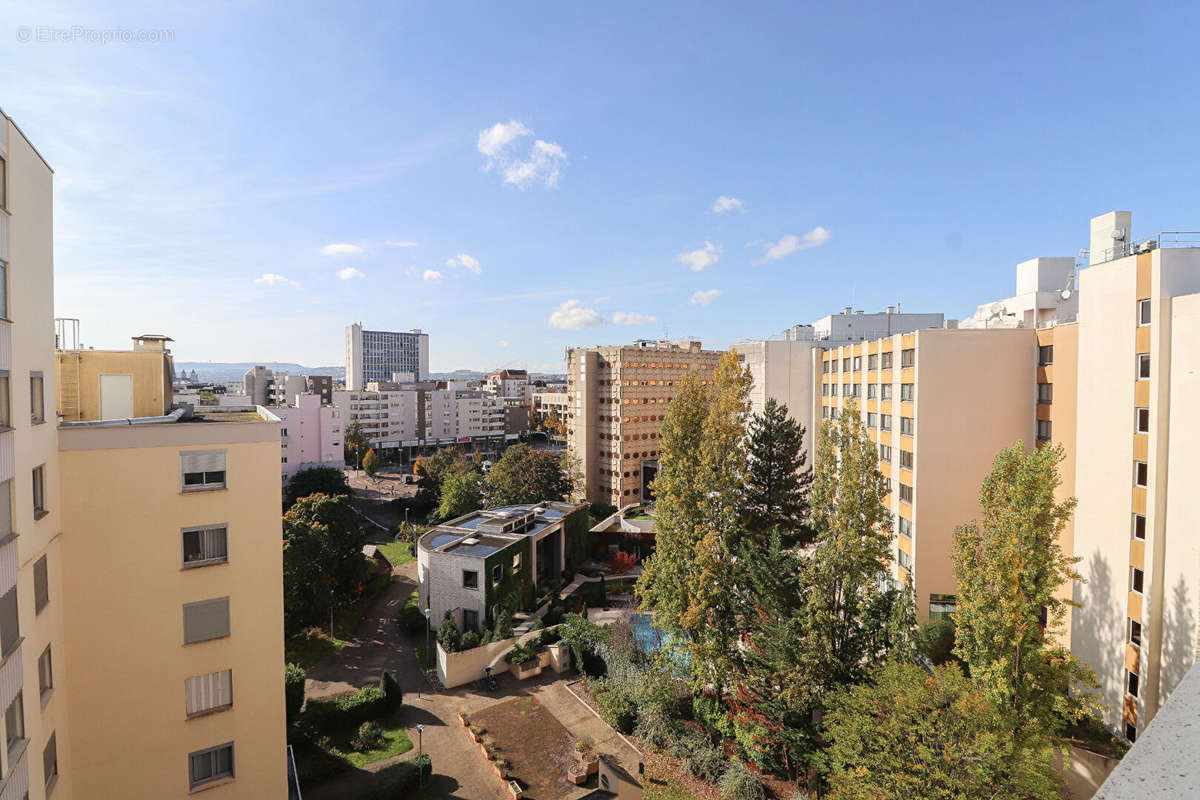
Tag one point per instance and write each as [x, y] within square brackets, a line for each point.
[469, 541]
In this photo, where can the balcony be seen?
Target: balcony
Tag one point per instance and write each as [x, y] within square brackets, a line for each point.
[1159, 764]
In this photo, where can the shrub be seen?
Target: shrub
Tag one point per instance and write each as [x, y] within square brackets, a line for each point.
[369, 737]
[656, 729]
[623, 562]
[411, 618]
[697, 755]
[601, 510]
[393, 696]
[349, 711]
[448, 634]
[935, 639]
[504, 625]
[616, 706]
[713, 715]
[520, 654]
[739, 783]
[293, 690]
[549, 637]
[660, 691]
[469, 640]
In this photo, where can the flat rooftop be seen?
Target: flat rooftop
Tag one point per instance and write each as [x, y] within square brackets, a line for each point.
[481, 533]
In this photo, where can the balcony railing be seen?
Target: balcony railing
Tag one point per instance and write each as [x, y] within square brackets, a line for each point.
[1147, 245]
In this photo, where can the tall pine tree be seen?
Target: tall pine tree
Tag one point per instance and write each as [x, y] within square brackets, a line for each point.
[776, 492]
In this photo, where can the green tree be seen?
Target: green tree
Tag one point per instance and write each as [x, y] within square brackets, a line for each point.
[433, 470]
[525, 475]
[1009, 616]
[461, 493]
[322, 557]
[370, 463]
[777, 486]
[316, 480]
[932, 735]
[354, 443]
[690, 583]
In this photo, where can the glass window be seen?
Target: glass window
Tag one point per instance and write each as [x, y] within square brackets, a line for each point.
[1131, 683]
[1141, 473]
[5, 401]
[3, 288]
[1045, 355]
[941, 606]
[470, 579]
[1143, 420]
[210, 765]
[1137, 579]
[906, 459]
[39, 491]
[1131, 732]
[904, 526]
[1143, 366]
[873, 361]
[906, 392]
[50, 761]
[908, 357]
[41, 585]
[885, 422]
[857, 363]
[1045, 393]
[907, 426]
[872, 391]
[885, 391]
[906, 493]
[14, 721]
[1135, 633]
[37, 404]
[885, 360]
[1043, 430]
[872, 420]
[45, 671]
[885, 453]
[497, 573]
[1143, 312]
[1139, 527]
[205, 546]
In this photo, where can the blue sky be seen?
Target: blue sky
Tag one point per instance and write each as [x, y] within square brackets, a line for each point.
[518, 178]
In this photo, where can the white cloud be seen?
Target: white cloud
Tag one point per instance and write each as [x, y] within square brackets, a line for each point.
[791, 243]
[466, 262]
[543, 165]
[632, 318]
[341, 249]
[494, 140]
[431, 276]
[697, 260]
[403, 243]
[571, 315]
[348, 273]
[274, 279]
[705, 298]
[725, 204]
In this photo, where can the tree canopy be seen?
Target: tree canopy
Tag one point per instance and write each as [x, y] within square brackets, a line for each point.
[322, 551]
[461, 494]
[316, 480]
[525, 475]
[776, 492]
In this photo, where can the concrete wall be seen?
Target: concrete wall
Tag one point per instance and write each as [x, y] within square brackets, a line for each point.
[456, 669]
[783, 370]
[123, 590]
[150, 371]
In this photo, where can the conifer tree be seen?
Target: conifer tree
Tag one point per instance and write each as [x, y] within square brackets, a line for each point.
[778, 482]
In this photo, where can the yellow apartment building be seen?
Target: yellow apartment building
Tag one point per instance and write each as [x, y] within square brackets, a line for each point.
[1137, 525]
[617, 401]
[939, 405]
[141, 619]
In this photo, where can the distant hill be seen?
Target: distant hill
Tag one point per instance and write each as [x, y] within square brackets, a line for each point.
[224, 372]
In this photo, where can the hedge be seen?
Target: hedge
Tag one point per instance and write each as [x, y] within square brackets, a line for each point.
[350, 711]
[293, 690]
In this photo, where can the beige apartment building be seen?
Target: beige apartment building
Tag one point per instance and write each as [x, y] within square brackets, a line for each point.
[617, 403]
[140, 557]
[939, 405]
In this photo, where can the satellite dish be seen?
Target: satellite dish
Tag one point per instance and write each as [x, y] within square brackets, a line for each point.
[1118, 234]
[1066, 294]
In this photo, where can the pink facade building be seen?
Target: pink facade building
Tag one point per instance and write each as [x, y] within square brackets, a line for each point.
[310, 434]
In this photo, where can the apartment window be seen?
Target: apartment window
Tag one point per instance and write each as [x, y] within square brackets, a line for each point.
[14, 721]
[885, 422]
[858, 363]
[885, 453]
[497, 573]
[885, 391]
[205, 620]
[846, 389]
[470, 579]
[1045, 355]
[1143, 312]
[5, 404]
[908, 357]
[873, 361]
[872, 391]
[846, 364]
[1043, 430]
[906, 392]
[37, 403]
[470, 620]
[1045, 393]
[906, 426]
[1141, 473]
[10, 629]
[207, 693]
[1143, 366]
[856, 391]
[1137, 579]
[50, 762]
[1143, 420]
[885, 360]
[906, 493]
[1135, 633]
[1131, 732]
[45, 672]
[941, 606]
[215, 763]
[872, 420]
[1139, 527]
[1131, 683]
[6, 521]
[203, 470]
[906, 459]
[904, 560]
[904, 526]
[3, 183]
[3, 281]
[41, 585]
[204, 546]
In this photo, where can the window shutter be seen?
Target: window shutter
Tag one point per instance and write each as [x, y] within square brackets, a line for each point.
[41, 585]
[202, 460]
[207, 619]
[10, 631]
[206, 692]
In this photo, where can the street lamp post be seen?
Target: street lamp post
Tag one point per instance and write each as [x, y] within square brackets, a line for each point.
[420, 755]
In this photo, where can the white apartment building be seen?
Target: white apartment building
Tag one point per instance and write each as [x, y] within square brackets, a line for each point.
[310, 434]
[385, 356]
[509, 383]
[857, 326]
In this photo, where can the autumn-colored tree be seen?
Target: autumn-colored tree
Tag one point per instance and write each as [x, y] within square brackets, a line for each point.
[370, 462]
[1009, 616]
[909, 733]
[354, 444]
[622, 562]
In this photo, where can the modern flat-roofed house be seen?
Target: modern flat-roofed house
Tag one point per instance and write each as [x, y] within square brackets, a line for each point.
[477, 564]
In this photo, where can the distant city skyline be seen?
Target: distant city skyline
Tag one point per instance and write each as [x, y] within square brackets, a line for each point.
[580, 175]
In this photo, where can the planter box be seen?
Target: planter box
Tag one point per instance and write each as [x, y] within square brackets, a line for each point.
[527, 670]
[543, 657]
[578, 774]
[514, 789]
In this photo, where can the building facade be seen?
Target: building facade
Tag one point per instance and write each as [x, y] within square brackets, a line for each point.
[617, 403]
[385, 356]
[310, 434]
[508, 382]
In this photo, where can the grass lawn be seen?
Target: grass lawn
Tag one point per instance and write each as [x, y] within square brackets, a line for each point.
[396, 552]
[395, 742]
[536, 745]
[311, 647]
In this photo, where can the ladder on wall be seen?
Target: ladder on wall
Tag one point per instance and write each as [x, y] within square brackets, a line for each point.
[68, 385]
